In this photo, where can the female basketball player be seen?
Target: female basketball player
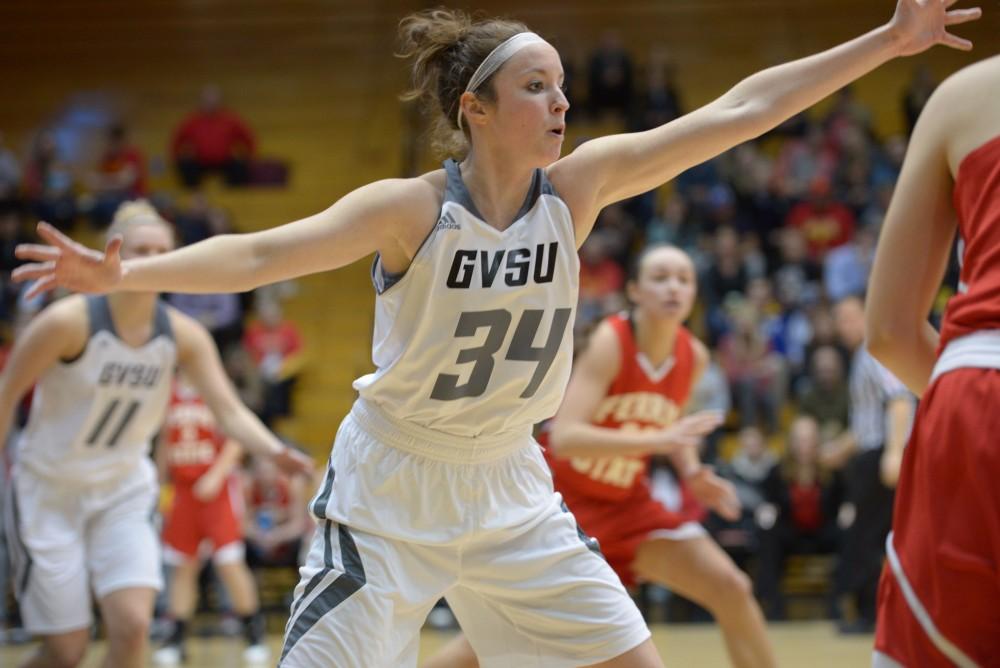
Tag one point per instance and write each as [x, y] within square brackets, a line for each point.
[939, 591]
[434, 484]
[206, 507]
[636, 374]
[84, 487]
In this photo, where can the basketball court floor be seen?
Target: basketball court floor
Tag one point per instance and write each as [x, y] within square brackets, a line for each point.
[798, 644]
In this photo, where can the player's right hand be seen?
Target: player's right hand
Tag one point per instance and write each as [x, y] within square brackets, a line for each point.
[688, 431]
[68, 264]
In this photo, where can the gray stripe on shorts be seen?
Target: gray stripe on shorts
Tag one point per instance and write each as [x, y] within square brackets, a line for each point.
[592, 544]
[343, 587]
[318, 577]
[16, 514]
[323, 498]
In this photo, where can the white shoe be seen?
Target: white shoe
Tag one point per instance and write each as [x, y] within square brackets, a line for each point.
[168, 655]
[257, 654]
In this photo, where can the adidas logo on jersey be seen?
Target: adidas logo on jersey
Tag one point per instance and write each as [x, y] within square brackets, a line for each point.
[446, 222]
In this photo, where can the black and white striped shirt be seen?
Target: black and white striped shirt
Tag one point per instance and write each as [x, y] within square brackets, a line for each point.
[872, 387]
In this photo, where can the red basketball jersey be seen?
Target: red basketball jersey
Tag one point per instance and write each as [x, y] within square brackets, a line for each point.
[640, 397]
[977, 201]
[193, 439]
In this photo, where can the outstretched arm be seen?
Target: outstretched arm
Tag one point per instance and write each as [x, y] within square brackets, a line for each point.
[366, 220]
[200, 363]
[613, 168]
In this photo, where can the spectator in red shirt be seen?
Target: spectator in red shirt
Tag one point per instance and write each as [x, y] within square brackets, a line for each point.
[120, 176]
[213, 139]
[799, 515]
[825, 222]
[275, 345]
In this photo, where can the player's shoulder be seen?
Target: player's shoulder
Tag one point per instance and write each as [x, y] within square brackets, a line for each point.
[67, 315]
[700, 351]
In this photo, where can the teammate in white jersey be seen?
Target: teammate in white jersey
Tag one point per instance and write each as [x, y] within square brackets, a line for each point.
[435, 486]
[84, 488]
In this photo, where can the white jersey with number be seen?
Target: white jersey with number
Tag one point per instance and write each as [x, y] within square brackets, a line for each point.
[93, 418]
[476, 337]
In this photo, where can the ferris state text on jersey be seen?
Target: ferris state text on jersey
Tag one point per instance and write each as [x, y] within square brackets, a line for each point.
[632, 411]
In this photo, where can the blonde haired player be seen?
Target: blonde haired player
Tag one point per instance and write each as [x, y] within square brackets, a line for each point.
[435, 485]
[84, 488]
[939, 596]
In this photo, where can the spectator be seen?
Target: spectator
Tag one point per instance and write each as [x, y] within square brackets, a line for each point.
[825, 222]
[610, 77]
[275, 346]
[10, 177]
[120, 176]
[798, 514]
[846, 268]
[725, 276]
[870, 452]
[277, 519]
[601, 278]
[917, 92]
[801, 161]
[213, 139]
[756, 373]
[824, 396]
[11, 234]
[49, 184]
[747, 470]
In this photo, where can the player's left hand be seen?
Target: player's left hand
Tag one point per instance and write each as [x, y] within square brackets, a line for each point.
[918, 25]
[293, 462]
[715, 493]
[206, 488]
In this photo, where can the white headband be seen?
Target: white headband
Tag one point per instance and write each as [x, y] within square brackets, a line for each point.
[497, 57]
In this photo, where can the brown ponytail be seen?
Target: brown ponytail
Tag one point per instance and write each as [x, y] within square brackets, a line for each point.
[447, 46]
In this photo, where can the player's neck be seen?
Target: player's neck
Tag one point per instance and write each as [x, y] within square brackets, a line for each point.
[132, 314]
[497, 185]
[655, 338]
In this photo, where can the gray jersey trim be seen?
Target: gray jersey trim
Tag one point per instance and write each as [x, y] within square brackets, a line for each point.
[99, 312]
[455, 191]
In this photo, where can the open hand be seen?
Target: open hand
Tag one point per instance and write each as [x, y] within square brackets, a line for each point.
[715, 493]
[920, 24]
[688, 431]
[293, 462]
[65, 263]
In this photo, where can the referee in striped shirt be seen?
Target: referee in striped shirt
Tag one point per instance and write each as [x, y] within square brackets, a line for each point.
[869, 452]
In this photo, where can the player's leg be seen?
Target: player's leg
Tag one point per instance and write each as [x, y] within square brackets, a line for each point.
[123, 556]
[127, 614]
[60, 650]
[543, 596]
[362, 600]
[224, 526]
[44, 532]
[699, 569]
[456, 653]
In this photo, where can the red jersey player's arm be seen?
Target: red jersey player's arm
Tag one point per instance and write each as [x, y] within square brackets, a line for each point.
[913, 249]
[573, 434]
[211, 481]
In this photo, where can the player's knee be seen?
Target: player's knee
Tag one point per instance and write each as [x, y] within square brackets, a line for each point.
[130, 630]
[738, 586]
[65, 652]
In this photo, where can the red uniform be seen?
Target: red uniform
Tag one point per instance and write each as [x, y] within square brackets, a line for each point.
[611, 497]
[193, 444]
[939, 598]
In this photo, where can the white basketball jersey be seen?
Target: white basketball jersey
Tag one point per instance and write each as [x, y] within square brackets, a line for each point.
[477, 336]
[93, 418]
